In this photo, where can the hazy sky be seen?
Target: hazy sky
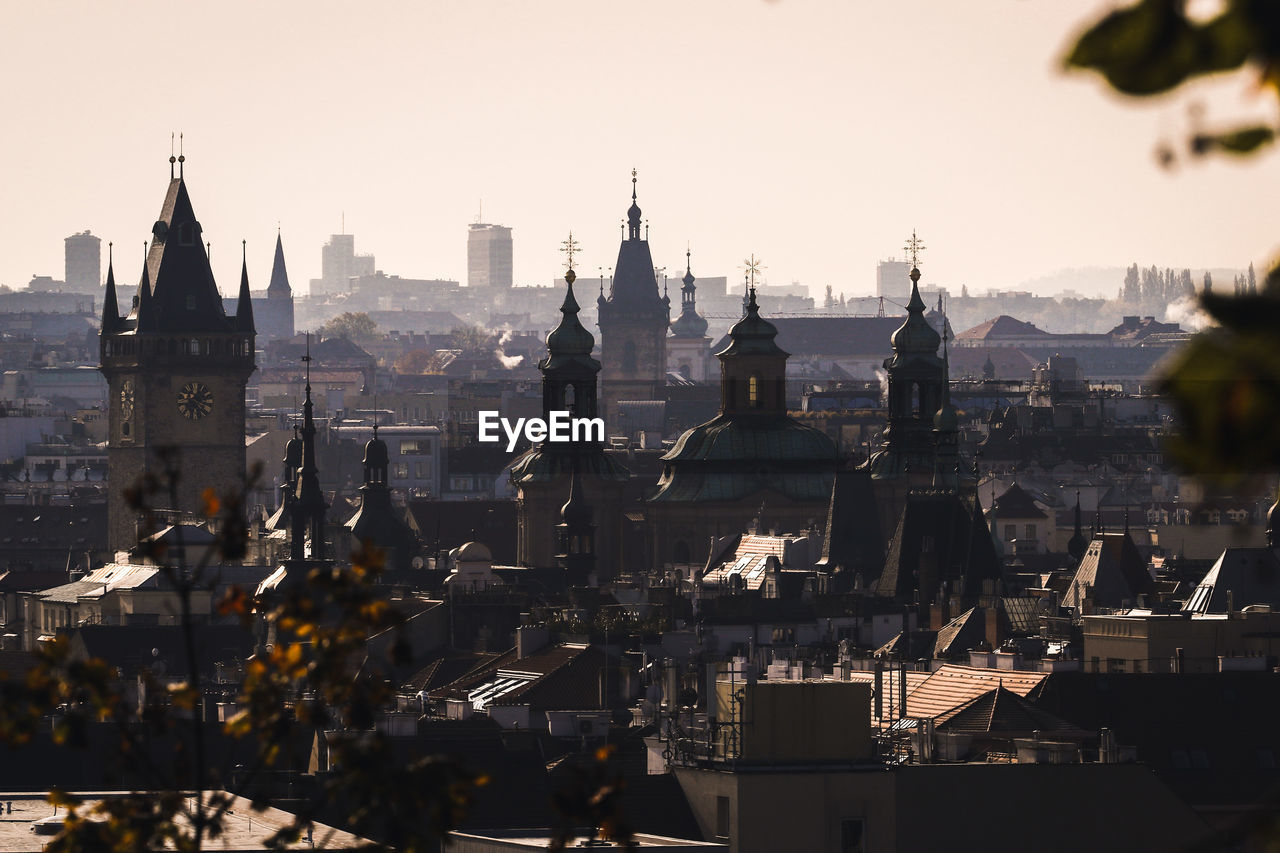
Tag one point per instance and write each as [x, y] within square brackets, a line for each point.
[816, 135]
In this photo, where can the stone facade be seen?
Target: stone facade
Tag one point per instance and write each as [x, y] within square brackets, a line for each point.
[176, 367]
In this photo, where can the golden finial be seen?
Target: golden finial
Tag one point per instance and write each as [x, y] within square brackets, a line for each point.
[913, 248]
[569, 247]
[753, 267]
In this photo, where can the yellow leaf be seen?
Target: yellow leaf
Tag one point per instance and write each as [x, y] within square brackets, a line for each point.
[211, 502]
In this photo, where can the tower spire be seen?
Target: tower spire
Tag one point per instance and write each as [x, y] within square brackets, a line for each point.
[110, 307]
[144, 319]
[633, 212]
[308, 509]
[244, 305]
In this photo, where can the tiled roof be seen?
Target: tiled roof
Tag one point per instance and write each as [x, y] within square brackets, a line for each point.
[1003, 326]
[1001, 711]
[954, 685]
[1111, 573]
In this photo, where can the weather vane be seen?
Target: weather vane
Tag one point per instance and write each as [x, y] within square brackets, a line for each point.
[913, 248]
[753, 266]
[569, 247]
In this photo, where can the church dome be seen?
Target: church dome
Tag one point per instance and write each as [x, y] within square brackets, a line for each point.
[916, 335]
[293, 451]
[375, 452]
[752, 335]
[689, 325]
[570, 337]
[474, 552]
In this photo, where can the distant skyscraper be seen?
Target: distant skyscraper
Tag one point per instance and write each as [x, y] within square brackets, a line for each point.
[339, 263]
[488, 256]
[83, 263]
[891, 280]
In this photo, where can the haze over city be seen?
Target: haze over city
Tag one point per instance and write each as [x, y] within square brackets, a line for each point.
[814, 135]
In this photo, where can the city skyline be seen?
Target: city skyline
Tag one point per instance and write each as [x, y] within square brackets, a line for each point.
[814, 136]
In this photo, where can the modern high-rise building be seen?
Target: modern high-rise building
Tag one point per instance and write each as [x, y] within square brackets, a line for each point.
[83, 272]
[892, 277]
[339, 263]
[488, 256]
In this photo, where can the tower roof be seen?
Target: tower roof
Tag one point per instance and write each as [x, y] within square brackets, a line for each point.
[689, 324]
[185, 297]
[752, 335]
[570, 337]
[244, 305]
[915, 335]
[110, 307]
[279, 286]
[634, 283]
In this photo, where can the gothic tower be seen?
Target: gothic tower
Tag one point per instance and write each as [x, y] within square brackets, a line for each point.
[176, 367]
[548, 472]
[633, 324]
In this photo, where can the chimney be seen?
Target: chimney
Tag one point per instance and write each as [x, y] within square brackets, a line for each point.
[991, 626]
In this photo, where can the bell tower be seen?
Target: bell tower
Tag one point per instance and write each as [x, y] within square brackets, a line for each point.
[176, 366]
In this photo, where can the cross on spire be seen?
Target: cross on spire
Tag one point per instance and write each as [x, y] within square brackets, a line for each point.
[569, 247]
[913, 248]
[753, 267]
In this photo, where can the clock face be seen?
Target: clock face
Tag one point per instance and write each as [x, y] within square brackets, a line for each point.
[126, 399]
[195, 400]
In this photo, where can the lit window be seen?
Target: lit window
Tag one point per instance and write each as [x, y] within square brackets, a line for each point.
[753, 391]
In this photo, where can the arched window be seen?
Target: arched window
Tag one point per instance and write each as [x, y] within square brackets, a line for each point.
[753, 391]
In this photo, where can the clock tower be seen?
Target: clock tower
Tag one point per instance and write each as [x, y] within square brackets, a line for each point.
[176, 366]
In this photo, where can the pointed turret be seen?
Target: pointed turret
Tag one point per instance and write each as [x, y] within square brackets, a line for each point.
[1077, 544]
[946, 429]
[143, 312]
[309, 506]
[244, 305]
[110, 307]
[689, 324]
[634, 283]
[279, 287]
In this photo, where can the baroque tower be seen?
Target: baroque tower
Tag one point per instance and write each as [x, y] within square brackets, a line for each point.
[689, 348]
[633, 324]
[553, 475]
[176, 367]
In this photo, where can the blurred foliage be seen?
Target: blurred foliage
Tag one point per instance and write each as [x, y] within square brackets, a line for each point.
[592, 797]
[314, 680]
[1225, 384]
[1154, 46]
